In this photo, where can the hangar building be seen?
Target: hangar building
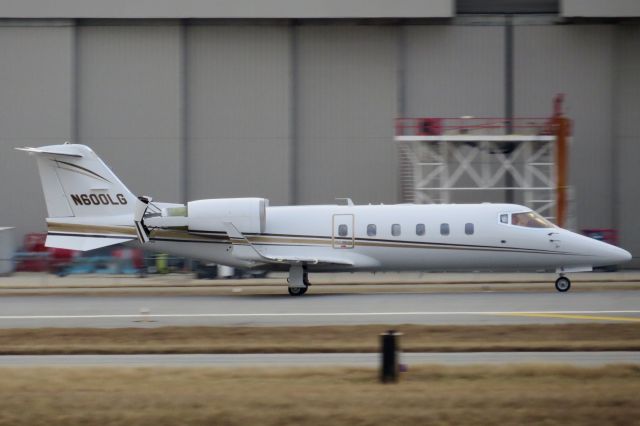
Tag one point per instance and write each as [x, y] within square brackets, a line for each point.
[295, 100]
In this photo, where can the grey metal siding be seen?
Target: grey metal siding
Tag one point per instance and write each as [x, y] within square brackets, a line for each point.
[627, 134]
[226, 9]
[577, 61]
[239, 101]
[453, 71]
[129, 104]
[346, 104]
[599, 8]
[226, 110]
[35, 110]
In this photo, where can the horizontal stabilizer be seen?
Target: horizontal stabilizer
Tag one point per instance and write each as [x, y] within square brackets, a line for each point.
[62, 151]
[82, 243]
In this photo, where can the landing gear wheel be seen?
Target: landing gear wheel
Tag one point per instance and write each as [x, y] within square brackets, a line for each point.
[297, 291]
[563, 284]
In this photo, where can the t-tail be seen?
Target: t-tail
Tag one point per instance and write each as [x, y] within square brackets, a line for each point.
[88, 206]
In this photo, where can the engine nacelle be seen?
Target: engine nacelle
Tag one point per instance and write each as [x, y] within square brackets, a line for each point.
[247, 214]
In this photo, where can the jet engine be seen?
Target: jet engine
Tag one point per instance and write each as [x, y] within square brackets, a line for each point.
[247, 214]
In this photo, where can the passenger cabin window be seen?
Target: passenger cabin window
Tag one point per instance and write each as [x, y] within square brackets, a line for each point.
[530, 220]
[468, 228]
[343, 230]
[504, 218]
[420, 229]
[395, 229]
[371, 230]
[444, 229]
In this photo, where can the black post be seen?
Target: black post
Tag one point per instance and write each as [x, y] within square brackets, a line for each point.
[389, 347]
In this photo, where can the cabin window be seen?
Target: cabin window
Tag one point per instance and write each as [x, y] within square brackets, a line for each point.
[371, 230]
[468, 228]
[504, 218]
[343, 230]
[420, 229]
[530, 220]
[395, 229]
[444, 229]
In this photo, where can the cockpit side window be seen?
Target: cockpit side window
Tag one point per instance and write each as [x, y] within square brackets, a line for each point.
[530, 220]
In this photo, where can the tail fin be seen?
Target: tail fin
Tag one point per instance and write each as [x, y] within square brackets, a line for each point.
[81, 192]
[77, 183]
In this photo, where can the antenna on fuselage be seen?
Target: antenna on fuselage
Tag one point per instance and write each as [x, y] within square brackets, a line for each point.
[344, 201]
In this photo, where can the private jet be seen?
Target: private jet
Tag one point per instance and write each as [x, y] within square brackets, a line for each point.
[89, 207]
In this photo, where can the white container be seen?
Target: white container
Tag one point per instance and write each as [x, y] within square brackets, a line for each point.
[225, 271]
[7, 250]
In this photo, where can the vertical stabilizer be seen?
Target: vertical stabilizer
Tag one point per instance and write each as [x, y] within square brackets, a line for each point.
[77, 183]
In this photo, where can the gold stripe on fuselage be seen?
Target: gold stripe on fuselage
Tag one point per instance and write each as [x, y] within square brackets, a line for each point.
[186, 236]
[90, 229]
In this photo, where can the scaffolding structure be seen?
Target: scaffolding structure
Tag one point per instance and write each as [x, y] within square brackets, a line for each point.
[525, 158]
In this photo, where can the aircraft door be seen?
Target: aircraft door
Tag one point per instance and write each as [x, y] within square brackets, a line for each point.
[342, 236]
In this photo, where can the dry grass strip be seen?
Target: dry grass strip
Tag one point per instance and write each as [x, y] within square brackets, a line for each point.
[514, 395]
[359, 338]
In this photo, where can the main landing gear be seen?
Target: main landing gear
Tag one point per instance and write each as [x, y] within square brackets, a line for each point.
[563, 284]
[298, 280]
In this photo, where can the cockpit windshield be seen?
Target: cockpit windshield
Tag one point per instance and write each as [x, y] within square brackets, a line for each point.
[530, 220]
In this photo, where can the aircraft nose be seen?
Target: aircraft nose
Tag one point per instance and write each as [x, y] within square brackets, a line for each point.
[622, 255]
[615, 255]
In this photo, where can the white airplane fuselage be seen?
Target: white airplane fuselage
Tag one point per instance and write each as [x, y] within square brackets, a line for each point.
[312, 231]
[89, 207]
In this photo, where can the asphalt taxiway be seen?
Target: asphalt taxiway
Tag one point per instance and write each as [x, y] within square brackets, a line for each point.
[318, 360]
[480, 308]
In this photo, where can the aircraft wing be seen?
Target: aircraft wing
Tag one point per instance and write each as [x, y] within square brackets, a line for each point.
[243, 249]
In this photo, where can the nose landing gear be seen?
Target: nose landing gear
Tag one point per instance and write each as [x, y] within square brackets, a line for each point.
[563, 284]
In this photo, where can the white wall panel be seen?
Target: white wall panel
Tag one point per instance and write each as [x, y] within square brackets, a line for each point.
[346, 104]
[578, 61]
[239, 101]
[35, 110]
[129, 104]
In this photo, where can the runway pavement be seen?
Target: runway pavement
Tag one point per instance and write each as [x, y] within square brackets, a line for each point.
[319, 309]
[318, 360]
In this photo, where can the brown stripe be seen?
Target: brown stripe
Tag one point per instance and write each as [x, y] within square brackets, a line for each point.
[83, 228]
[273, 240]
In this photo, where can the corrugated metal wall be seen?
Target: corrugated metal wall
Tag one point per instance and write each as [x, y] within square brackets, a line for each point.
[36, 82]
[239, 112]
[626, 140]
[129, 103]
[345, 105]
[304, 113]
[469, 59]
[576, 60]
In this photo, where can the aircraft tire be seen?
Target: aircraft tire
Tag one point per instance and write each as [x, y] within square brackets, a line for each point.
[563, 284]
[297, 291]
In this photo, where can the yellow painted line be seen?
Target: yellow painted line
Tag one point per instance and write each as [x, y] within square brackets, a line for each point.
[572, 316]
